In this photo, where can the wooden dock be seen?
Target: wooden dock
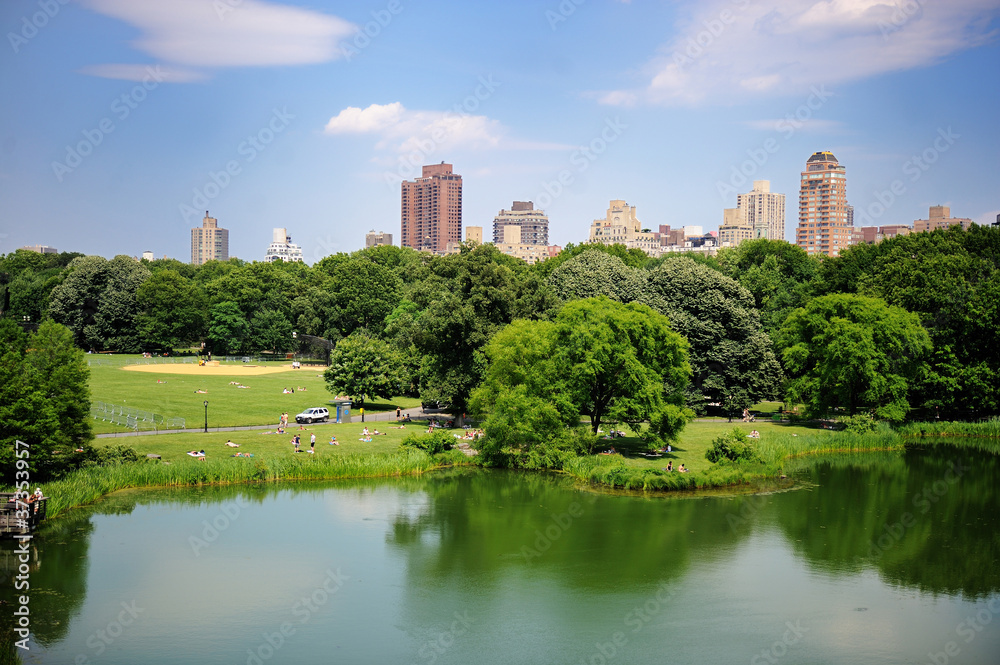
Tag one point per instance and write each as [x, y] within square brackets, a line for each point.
[13, 524]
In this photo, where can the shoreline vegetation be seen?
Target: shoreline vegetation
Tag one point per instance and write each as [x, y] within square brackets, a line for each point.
[778, 456]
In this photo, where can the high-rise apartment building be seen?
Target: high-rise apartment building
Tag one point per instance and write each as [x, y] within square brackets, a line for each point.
[940, 217]
[735, 227]
[763, 211]
[431, 214]
[374, 238]
[534, 224]
[823, 217]
[283, 248]
[210, 242]
[474, 234]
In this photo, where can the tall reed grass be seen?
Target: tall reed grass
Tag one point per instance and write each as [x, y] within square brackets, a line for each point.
[987, 429]
[88, 485]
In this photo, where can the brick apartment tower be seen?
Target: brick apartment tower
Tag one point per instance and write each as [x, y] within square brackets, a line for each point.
[210, 242]
[824, 227]
[432, 209]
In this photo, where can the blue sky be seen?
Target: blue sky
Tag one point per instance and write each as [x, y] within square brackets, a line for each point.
[123, 120]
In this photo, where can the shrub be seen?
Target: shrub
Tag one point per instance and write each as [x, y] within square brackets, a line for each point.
[862, 423]
[434, 443]
[112, 456]
[734, 446]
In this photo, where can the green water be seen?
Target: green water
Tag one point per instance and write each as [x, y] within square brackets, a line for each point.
[872, 559]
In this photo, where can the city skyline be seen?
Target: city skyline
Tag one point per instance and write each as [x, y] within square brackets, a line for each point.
[124, 125]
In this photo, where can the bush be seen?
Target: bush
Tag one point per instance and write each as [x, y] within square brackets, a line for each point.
[434, 443]
[734, 446]
[111, 456]
[863, 423]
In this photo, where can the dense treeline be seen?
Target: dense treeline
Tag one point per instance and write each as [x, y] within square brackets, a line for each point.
[910, 326]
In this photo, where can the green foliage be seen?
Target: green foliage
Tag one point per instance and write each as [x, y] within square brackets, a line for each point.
[115, 455]
[270, 331]
[365, 292]
[364, 367]
[731, 355]
[44, 399]
[172, 310]
[951, 279]
[632, 258]
[734, 447]
[97, 302]
[228, 330]
[852, 352]
[610, 361]
[595, 273]
[432, 444]
[861, 423]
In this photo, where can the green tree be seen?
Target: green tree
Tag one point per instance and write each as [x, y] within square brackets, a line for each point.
[365, 293]
[595, 273]
[364, 367]
[228, 330]
[731, 354]
[613, 362]
[270, 330]
[853, 352]
[97, 302]
[44, 399]
[633, 258]
[172, 310]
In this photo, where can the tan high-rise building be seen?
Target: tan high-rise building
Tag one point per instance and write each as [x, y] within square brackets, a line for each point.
[735, 227]
[763, 210]
[940, 217]
[210, 242]
[621, 226]
[431, 215]
[534, 224]
[374, 238]
[474, 234]
[823, 227]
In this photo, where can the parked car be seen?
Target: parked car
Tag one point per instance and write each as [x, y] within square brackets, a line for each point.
[434, 404]
[316, 414]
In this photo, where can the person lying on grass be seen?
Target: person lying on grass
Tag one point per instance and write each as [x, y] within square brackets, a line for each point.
[196, 453]
[231, 444]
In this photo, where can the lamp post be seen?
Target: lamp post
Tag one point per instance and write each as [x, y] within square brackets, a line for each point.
[206, 416]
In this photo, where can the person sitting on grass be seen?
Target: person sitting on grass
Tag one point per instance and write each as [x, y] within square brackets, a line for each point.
[333, 441]
[366, 432]
[669, 467]
[682, 469]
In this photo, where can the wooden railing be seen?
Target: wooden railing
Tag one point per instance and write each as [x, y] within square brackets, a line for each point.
[14, 524]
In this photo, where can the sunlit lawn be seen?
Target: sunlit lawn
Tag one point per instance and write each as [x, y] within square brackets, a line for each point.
[228, 406]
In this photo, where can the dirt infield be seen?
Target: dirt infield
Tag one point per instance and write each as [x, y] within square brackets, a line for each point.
[221, 370]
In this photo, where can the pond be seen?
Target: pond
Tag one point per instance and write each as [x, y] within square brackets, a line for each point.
[881, 558]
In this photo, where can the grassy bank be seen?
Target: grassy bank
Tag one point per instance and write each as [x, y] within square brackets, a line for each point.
[88, 485]
[986, 429]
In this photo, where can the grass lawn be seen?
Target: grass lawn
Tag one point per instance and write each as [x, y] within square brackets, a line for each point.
[173, 448]
[694, 441]
[228, 405]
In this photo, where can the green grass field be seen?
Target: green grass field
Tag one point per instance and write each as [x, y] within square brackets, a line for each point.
[261, 403]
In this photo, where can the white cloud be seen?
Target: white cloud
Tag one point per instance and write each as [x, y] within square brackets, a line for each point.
[144, 73]
[730, 50]
[228, 33]
[402, 130]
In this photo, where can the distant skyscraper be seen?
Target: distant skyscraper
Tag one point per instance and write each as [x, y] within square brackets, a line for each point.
[534, 224]
[374, 238]
[735, 227]
[823, 223]
[431, 215]
[474, 234]
[210, 242]
[283, 248]
[763, 210]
